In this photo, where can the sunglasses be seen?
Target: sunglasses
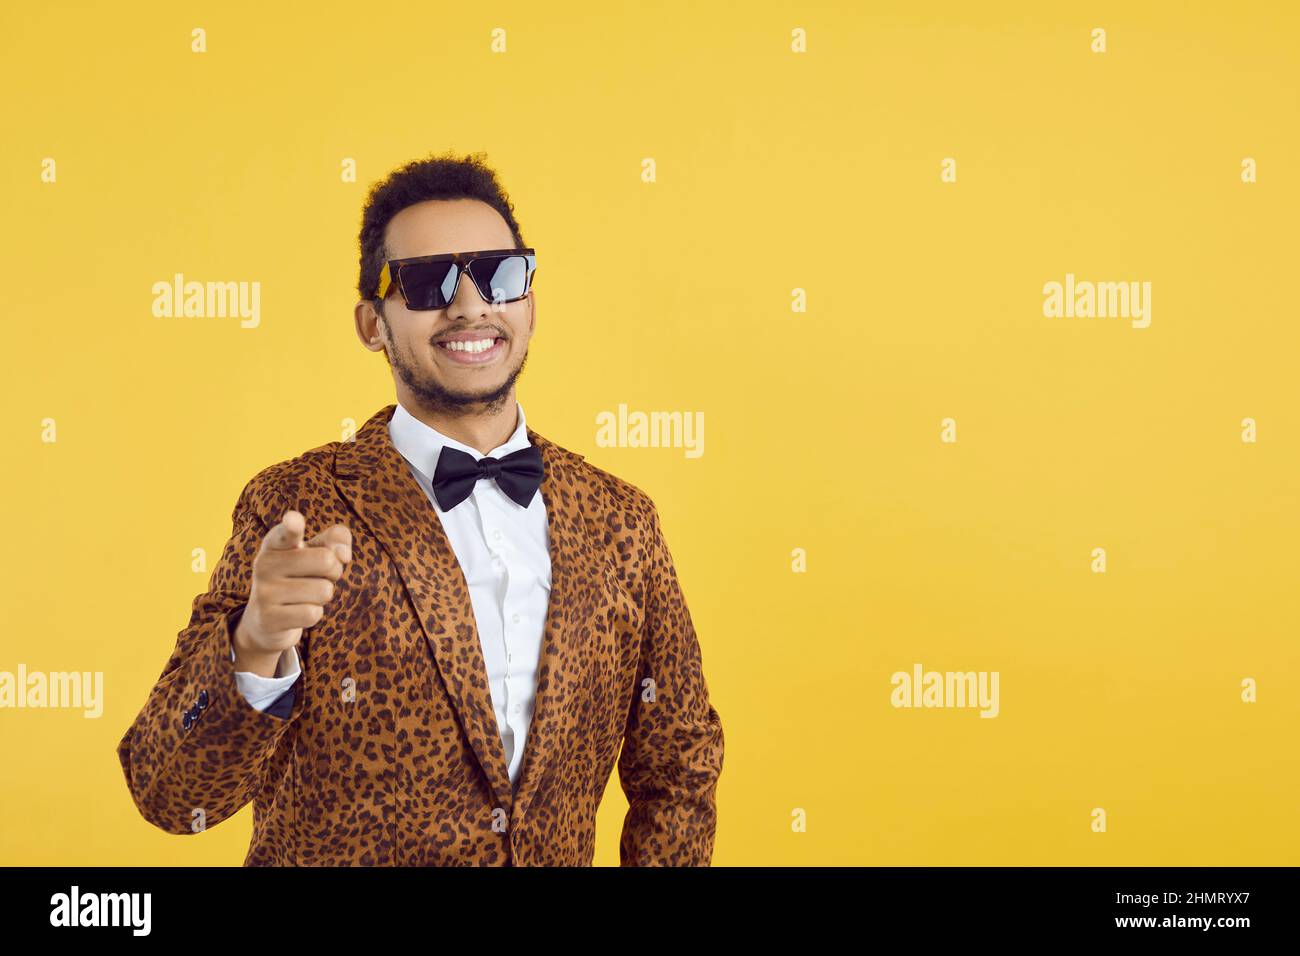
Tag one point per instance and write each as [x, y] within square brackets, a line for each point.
[430, 282]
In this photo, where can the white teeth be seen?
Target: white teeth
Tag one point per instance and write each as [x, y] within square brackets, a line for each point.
[480, 345]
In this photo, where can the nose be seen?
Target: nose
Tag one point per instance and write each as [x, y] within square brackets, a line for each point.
[467, 301]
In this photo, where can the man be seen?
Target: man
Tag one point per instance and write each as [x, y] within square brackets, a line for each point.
[444, 672]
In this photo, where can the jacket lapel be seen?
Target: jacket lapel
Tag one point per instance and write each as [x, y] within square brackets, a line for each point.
[377, 481]
[576, 574]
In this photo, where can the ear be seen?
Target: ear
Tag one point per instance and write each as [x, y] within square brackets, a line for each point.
[367, 322]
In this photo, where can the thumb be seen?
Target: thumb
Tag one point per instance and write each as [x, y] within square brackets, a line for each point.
[287, 535]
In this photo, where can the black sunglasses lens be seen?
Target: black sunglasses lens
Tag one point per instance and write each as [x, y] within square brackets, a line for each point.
[500, 278]
[429, 285]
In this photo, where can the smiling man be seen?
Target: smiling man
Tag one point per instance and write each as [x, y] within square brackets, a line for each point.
[434, 643]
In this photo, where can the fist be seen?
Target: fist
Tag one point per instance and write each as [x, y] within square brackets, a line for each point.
[293, 580]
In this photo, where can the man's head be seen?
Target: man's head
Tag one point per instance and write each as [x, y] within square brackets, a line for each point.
[430, 207]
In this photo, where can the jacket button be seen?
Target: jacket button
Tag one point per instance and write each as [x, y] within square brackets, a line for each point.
[203, 699]
[188, 722]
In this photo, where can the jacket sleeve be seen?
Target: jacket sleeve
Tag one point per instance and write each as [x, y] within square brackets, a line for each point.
[672, 745]
[194, 755]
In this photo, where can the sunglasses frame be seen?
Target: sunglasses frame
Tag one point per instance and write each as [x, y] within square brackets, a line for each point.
[465, 264]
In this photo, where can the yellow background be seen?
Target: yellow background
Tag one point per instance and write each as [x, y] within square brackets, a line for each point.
[775, 171]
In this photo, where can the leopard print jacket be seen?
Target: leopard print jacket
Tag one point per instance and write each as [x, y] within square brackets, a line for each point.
[390, 753]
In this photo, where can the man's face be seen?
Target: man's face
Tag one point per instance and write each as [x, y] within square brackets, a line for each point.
[439, 378]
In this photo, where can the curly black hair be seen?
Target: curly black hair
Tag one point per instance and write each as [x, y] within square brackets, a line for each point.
[436, 177]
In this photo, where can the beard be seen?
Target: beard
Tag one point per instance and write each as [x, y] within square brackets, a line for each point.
[434, 396]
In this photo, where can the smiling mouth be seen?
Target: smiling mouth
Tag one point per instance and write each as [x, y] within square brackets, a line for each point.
[471, 346]
[476, 351]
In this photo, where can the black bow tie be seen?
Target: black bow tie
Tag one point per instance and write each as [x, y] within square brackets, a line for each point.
[518, 474]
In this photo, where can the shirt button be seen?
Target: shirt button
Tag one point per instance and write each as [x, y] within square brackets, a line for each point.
[497, 534]
[514, 618]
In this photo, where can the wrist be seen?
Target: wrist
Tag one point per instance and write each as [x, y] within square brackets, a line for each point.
[252, 659]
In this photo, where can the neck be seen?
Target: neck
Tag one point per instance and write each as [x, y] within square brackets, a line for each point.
[481, 428]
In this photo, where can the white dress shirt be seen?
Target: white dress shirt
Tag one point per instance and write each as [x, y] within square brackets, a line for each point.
[504, 552]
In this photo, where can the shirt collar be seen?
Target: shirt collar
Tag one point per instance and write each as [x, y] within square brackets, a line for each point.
[420, 444]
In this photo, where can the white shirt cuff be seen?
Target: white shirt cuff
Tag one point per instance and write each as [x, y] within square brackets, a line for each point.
[261, 692]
